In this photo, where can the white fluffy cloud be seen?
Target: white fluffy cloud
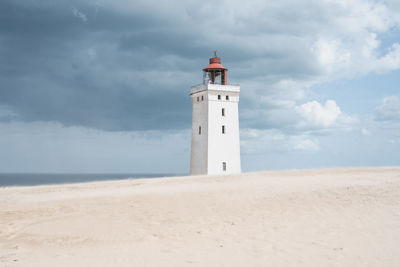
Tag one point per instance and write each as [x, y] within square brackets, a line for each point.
[298, 130]
[389, 110]
[390, 61]
[319, 115]
[351, 46]
[316, 115]
[331, 54]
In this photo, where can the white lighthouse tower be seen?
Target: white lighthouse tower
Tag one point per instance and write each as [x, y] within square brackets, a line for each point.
[215, 123]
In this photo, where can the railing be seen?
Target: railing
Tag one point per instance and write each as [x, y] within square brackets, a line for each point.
[194, 86]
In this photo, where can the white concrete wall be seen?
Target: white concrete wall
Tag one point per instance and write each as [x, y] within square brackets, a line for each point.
[199, 148]
[223, 147]
[210, 149]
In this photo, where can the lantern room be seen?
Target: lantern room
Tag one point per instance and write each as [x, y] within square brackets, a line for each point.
[215, 73]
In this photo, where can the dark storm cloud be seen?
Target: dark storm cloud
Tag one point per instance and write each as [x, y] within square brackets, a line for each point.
[83, 63]
[43, 76]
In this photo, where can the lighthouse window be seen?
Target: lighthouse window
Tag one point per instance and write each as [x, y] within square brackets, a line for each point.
[227, 97]
[199, 129]
[224, 166]
[223, 129]
[198, 99]
[219, 97]
[223, 112]
[202, 98]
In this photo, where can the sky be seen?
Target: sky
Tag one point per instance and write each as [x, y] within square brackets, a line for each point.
[103, 86]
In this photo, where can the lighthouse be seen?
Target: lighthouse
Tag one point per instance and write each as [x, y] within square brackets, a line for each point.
[215, 147]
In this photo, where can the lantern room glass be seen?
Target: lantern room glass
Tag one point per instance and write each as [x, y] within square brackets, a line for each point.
[214, 76]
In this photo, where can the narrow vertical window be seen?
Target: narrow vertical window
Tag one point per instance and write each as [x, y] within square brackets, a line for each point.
[198, 99]
[202, 98]
[219, 97]
[224, 166]
[227, 97]
[223, 112]
[223, 129]
[199, 129]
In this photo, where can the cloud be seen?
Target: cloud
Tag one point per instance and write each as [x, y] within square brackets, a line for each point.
[330, 54]
[259, 141]
[79, 14]
[348, 60]
[298, 130]
[365, 132]
[317, 115]
[302, 143]
[389, 110]
[390, 61]
[7, 114]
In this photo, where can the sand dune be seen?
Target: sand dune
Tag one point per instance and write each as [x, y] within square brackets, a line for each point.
[335, 217]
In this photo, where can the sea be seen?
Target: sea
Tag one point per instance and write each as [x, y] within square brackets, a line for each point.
[24, 179]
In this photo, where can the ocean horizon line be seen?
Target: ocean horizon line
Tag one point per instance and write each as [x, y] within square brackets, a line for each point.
[33, 178]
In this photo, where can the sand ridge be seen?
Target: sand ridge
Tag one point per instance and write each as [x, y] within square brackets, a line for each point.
[332, 217]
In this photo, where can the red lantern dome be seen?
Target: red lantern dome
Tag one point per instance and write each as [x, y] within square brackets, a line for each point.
[215, 70]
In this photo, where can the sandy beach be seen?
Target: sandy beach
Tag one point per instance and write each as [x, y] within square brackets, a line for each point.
[333, 217]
